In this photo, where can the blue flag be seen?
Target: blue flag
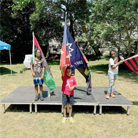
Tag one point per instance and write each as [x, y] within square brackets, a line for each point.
[70, 54]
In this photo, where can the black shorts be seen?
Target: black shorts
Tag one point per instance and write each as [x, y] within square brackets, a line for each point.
[67, 99]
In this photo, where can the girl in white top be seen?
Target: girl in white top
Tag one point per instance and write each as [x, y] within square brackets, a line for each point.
[112, 72]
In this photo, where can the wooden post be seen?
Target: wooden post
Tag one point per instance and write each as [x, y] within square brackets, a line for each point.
[3, 108]
[30, 108]
[10, 61]
[128, 110]
[100, 110]
[94, 109]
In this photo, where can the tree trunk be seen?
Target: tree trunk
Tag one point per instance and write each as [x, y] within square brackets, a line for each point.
[136, 48]
[129, 45]
[97, 51]
[71, 27]
[128, 38]
[115, 44]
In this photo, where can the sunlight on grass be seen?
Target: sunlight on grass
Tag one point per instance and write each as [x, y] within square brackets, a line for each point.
[18, 123]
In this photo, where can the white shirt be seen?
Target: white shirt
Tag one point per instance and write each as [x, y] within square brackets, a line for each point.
[113, 62]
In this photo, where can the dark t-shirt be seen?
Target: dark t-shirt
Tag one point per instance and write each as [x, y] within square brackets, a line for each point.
[37, 66]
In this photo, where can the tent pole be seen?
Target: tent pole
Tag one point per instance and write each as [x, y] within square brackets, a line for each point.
[10, 61]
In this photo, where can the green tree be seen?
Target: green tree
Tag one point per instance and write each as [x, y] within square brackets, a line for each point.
[114, 23]
[77, 11]
[15, 28]
[46, 22]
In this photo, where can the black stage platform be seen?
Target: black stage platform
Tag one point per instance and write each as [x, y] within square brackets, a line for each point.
[21, 95]
[119, 100]
[26, 95]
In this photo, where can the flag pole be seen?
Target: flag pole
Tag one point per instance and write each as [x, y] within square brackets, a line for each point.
[33, 52]
[131, 57]
[66, 22]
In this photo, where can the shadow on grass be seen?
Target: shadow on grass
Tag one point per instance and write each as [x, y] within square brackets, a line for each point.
[17, 108]
[48, 109]
[135, 103]
[40, 108]
[124, 71]
[57, 109]
[112, 110]
[4, 71]
[53, 62]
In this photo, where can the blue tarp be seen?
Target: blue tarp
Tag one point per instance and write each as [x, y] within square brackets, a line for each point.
[5, 46]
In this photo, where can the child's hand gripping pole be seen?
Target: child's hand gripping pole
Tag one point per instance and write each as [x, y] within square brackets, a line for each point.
[62, 72]
[122, 58]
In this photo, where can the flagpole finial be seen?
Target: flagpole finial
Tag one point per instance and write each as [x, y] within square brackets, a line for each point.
[66, 13]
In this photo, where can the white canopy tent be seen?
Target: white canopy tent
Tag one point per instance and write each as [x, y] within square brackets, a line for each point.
[27, 60]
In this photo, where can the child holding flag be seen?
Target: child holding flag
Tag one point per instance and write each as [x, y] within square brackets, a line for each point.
[37, 69]
[113, 72]
[68, 86]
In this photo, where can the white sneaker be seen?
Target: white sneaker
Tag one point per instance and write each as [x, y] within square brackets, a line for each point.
[64, 119]
[71, 119]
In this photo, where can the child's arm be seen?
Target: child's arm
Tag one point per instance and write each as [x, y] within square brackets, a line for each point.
[43, 71]
[72, 88]
[117, 64]
[74, 84]
[31, 67]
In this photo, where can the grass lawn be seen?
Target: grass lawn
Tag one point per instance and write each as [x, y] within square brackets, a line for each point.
[17, 122]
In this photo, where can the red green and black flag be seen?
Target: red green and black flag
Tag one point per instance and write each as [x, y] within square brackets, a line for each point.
[132, 63]
[48, 78]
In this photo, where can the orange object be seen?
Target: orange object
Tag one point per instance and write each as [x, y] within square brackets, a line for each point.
[107, 96]
[112, 95]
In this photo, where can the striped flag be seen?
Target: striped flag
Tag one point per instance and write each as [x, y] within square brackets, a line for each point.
[132, 63]
[48, 78]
